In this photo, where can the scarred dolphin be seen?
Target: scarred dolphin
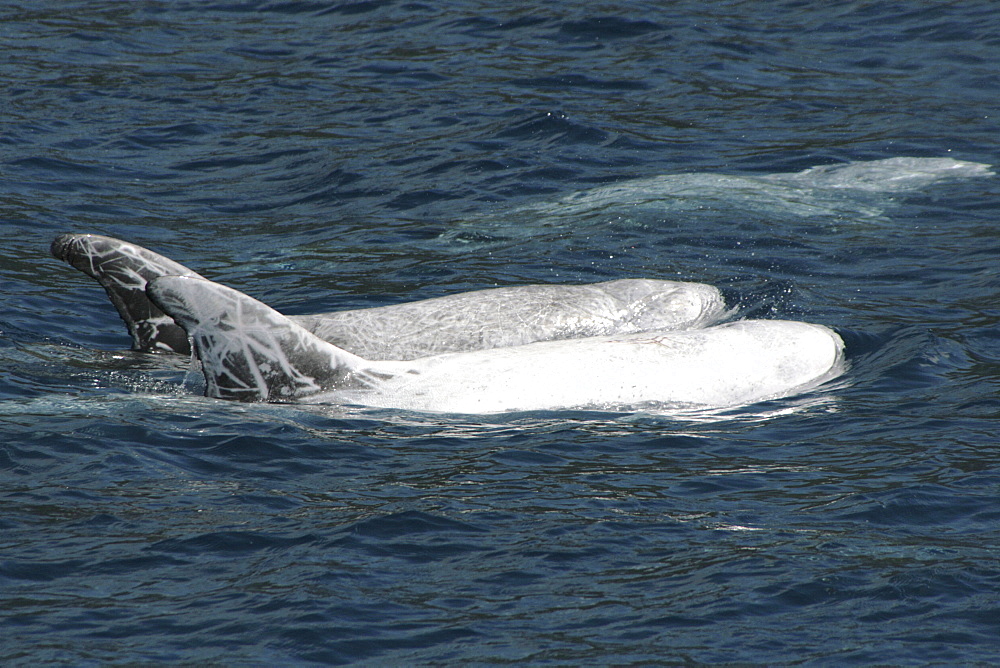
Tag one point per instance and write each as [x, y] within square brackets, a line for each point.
[250, 352]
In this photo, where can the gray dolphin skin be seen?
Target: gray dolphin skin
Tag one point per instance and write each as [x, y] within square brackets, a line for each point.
[479, 320]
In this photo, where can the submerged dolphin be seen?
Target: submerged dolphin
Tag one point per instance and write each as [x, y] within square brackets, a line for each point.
[860, 191]
[250, 352]
[478, 320]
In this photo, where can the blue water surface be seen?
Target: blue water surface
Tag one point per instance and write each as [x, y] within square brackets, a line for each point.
[342, 155]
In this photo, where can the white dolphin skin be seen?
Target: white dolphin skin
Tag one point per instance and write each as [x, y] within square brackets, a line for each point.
[250, 352]
[477, 320]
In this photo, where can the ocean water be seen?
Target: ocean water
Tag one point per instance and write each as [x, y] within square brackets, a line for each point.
[341, 155]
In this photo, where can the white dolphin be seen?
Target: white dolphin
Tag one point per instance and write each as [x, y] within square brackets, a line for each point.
[250, 352]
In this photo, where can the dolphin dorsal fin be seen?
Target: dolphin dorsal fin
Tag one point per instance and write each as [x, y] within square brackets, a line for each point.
[249, 351]
[123, 270]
